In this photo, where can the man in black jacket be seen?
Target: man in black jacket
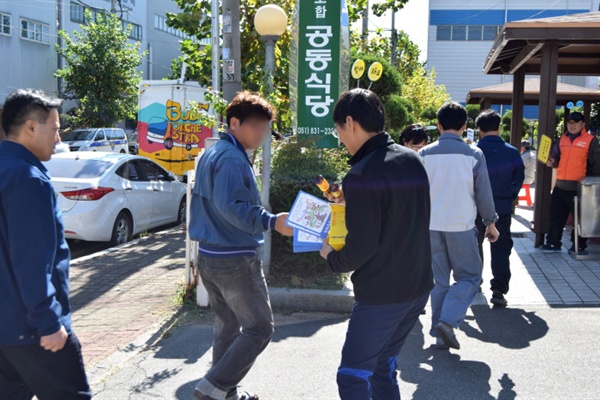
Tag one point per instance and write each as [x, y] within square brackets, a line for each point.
[386, 193]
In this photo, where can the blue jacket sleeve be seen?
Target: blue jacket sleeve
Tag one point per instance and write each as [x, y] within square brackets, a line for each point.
[518, 176]
[233, 197]
[31, 223]
[484, 198]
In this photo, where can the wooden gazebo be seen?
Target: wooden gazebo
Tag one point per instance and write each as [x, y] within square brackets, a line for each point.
[548, 47]
[503, 94]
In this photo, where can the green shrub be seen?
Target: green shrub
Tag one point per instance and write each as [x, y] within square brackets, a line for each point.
[294, 169]
[396, 112]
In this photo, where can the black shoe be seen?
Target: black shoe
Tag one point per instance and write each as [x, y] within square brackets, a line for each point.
[551, 247]
[424, 312]
[498, 300]
[446, 332]
[581, 249]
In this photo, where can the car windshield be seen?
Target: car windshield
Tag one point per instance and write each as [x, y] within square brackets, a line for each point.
[79, 134]
[133, 137]
[76, 168]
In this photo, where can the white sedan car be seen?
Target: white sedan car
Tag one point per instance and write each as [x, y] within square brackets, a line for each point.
[111, 197]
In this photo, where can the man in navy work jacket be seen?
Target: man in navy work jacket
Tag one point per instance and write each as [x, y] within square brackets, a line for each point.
[228, 221]
[507, 172]
[39, 354]
[386, 193]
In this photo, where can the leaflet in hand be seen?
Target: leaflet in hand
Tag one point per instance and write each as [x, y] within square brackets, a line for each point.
[310, 215]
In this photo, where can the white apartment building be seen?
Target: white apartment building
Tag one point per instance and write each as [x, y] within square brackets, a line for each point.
[28, 35]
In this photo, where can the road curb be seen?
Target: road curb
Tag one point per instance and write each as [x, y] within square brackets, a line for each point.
[335, 301]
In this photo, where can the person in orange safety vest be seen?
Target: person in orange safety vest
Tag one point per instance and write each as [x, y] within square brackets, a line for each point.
[576, 156]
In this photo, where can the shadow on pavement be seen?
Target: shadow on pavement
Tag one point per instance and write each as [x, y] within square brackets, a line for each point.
[440, 374]
[199, 339]
[519, 327]
[102, 274]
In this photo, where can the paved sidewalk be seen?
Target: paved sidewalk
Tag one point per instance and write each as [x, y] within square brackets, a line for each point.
[120, 294]
[546, 278]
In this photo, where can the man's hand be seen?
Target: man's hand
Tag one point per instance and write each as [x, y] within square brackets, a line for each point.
[550, 162]
[56, 341]
[280, 225]
[326, 249]
[491, 233]
[336, 200]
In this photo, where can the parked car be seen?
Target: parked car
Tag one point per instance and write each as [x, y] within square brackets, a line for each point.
[133, 143]
[112, 140]
[112, 197]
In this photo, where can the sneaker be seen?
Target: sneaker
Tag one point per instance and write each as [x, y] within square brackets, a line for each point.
[498, 300]
[550, 247]
[446, 333]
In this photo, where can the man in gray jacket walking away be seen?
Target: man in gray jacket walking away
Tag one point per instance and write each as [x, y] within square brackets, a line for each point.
[460, 187]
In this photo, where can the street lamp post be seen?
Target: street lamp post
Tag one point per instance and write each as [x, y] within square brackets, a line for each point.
[270, 22]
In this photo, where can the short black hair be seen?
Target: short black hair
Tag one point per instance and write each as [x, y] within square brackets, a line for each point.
[488, 121]
[414, 134]
[25, 104]
[246, 104]
[452, 116]
[364, 106]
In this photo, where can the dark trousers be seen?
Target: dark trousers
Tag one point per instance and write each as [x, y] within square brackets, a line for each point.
[238, 295]
[561, 205]
[500, 251]
[375, 336]
[29, 370]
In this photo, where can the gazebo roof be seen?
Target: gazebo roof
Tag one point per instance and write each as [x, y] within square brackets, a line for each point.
[519, 43]
[502, 93]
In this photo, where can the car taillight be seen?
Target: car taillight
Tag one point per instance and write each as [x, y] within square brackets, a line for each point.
[88, 194]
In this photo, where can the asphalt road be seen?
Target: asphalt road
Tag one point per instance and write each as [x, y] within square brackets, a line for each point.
[525, 353]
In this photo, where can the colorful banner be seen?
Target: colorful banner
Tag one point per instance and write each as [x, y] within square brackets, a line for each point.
[319, 68]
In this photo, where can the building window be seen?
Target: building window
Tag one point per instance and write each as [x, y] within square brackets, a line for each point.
[77, 14]
[5, 24]
[467, 32]
[490, 32]
[160, 23]
[136, 30]
[474, 32]
[444, 32]
[35, 31]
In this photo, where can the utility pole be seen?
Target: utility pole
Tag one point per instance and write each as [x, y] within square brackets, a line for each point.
[216, 86]
[113, 6]
[232, 59]
[59, 42]
[365, 23]
[394, 37]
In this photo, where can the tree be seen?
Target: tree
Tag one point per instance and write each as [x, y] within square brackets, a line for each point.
[421, 90]
[505, 127]
[101, 71]
[194, 21]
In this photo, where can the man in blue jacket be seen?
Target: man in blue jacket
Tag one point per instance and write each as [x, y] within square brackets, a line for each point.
[507, 172]
[39, 354]
[228, 221]
[386, 193]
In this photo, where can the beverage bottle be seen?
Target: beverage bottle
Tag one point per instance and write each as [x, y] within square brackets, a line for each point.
[333, 190]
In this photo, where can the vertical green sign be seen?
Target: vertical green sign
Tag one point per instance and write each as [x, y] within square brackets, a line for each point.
[319, 68]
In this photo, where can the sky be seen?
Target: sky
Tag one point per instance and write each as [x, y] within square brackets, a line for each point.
[412, 19]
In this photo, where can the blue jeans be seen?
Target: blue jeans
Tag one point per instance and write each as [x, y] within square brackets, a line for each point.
[455, 253]
[375, 336]
[238, 295]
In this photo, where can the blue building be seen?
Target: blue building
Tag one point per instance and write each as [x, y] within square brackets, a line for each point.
[461, 34]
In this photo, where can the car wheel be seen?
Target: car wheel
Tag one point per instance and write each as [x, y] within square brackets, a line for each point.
[122, 151]
[168, 144]
[182, 211]
[121, 232]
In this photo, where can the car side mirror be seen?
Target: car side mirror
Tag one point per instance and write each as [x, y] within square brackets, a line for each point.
[172, 176]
